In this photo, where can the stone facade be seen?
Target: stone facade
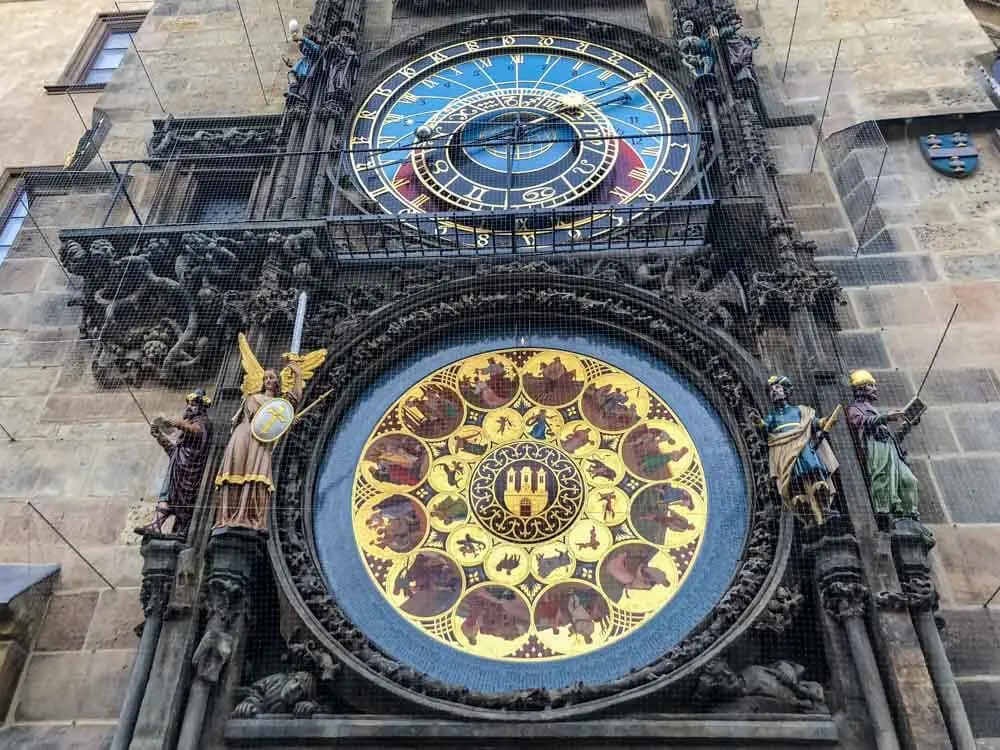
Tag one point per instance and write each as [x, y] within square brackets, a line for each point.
[928, 242]
[40, 129]
[83, 455]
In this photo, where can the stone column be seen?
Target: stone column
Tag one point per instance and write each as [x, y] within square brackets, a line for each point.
[158, 569]
[234, 554]
[295, 114]
[911, 543]
[838, 576]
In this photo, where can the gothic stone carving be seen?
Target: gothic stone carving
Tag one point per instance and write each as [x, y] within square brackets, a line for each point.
[174, 138]
[843, 599]
[162, 309]
[233, 554]
[281, 693]
[599, 302]
[781, 611]
[775, 688]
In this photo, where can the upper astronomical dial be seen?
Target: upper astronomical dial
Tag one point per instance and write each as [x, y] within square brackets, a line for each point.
[563, 150]
[521, 121]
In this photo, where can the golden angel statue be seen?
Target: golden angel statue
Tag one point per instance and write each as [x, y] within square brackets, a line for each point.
[244, 484]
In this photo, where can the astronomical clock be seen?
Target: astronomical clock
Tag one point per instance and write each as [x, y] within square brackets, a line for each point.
[533, 485]
[532, 473]
[525, 135]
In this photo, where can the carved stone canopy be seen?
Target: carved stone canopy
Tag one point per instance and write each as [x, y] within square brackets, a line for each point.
[724, 376]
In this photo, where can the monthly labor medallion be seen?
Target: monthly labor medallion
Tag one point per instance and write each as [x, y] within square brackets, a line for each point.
[529, 504]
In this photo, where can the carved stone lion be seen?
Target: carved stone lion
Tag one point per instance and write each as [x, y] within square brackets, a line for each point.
[281, 693]
[775, 688]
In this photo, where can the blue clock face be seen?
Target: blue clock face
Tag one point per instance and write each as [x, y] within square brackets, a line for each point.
[506, 124]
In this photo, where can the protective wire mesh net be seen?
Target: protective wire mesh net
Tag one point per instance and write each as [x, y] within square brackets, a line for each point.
[150, 267]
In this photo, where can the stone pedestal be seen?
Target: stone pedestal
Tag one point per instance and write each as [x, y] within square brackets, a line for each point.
[233, 554]
[911, 543]
[837, 573]
[159, 567]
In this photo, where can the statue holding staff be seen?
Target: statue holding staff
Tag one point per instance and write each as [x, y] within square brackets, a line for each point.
[893, 487]
[187, 441]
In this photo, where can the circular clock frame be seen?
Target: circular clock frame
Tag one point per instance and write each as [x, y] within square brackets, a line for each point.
[725, 377]
[591, 160]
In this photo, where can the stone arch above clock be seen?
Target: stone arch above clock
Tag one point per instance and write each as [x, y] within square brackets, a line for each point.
[412, 336]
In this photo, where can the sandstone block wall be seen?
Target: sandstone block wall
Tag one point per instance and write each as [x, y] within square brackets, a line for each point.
[927, 242]
[84, 458]
[897, 59]
[40, 38]
[83, 455]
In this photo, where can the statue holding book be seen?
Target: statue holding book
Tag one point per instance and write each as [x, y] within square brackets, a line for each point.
[802, 462]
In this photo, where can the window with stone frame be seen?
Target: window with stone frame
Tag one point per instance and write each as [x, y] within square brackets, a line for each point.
[14, 215]
[100, 53]
[221, 200]
[195, 194]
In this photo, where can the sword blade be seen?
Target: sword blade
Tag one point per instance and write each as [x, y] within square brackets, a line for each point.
[300, 322]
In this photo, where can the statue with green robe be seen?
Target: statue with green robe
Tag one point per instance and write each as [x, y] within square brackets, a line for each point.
[893, 486]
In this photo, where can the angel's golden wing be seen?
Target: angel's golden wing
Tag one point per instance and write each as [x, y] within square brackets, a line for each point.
[253, 373]
[308, 364]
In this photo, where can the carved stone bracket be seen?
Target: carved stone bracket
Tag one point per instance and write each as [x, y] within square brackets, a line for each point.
[199, 136]
[843, 599]
[164, 306]
[158, 570]
[376, 339]
[233, 557]
[911, 543]
[837, 571]
[918, 594]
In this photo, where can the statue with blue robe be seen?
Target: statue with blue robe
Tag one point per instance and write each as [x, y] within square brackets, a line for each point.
[299, 77]
[801, 461]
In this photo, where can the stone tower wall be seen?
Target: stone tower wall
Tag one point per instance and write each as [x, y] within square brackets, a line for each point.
[83, 455]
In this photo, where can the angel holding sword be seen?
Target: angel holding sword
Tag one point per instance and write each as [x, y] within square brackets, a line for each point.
[244, 484]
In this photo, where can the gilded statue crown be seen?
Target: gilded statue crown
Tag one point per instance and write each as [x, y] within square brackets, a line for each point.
[862, 377]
